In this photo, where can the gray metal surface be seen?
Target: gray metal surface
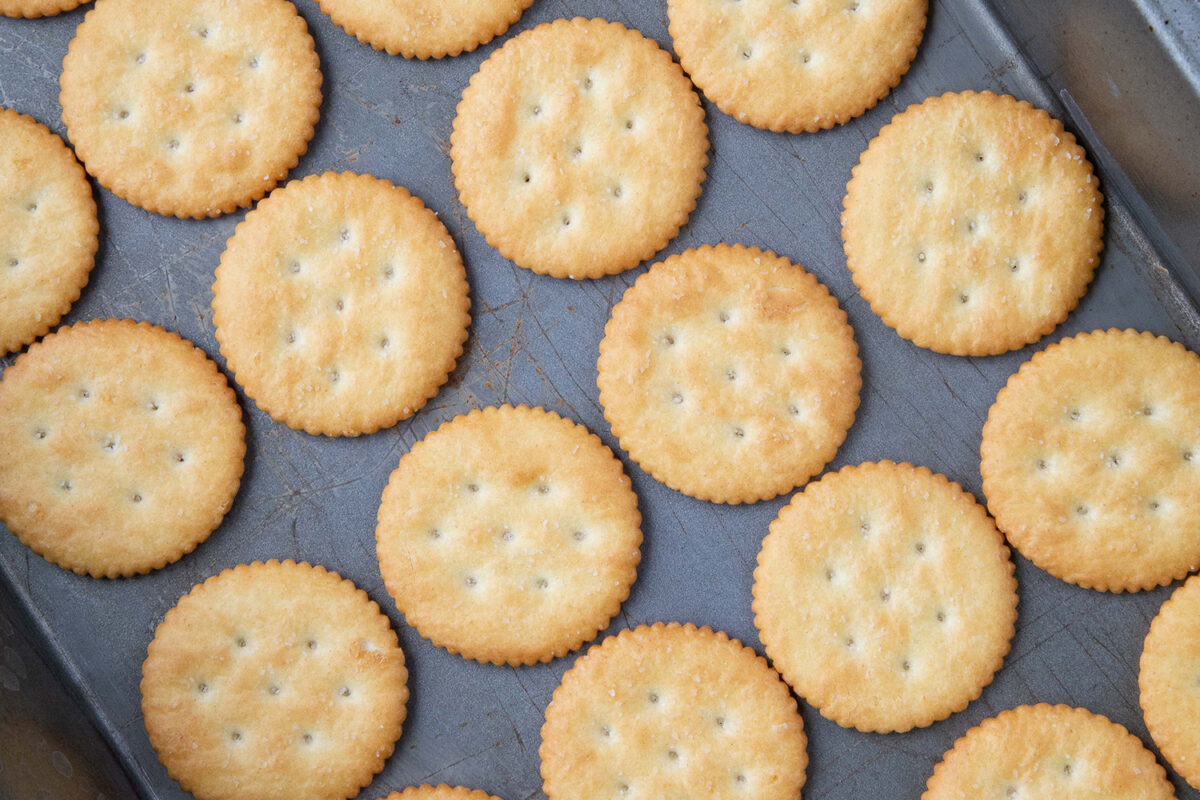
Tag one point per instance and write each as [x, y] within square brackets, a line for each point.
[534, 340]
[48, 749]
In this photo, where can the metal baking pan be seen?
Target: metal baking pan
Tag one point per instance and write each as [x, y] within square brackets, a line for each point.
[534, 340]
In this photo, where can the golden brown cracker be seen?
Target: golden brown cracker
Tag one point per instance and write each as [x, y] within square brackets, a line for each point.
[37, 8]
[796, 65]
[509, 535]
[973, 223]
[439, 792]
[1048, 752]
[885, 596]
[424, 28]
[1169, 680]
[274, 680]
[729, 373]
[1091, 460]
[195, 109]
[672, 711]
[579, 148]
[48, 230]
[341, 304]
[121, 445]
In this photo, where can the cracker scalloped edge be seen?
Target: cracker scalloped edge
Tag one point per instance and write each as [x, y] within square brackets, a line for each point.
[122, 189]
[617, 600]
[984, 449]
[915, 335]
[452, 356]
[654, 469]
[654, 629]
[700, 175]
[1005, 554]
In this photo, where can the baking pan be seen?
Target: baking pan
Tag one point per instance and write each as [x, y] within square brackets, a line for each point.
[534, 340]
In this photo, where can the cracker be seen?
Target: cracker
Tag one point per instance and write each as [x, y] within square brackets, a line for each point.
[1091, 460]
[121, 447]
[341, 304]
[509, 535]
[796, 65]
[1169, 680]
[579, 148]
[48, 230]
[440, 792]
[274, 680]
[973, 223]
[424, 28]
[729, 374]
[672, 711]
[37, 8]
[1048, 752]
[885, 597]
[195, 109]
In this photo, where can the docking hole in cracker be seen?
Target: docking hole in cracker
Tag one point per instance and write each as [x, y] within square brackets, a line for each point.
[509, 535]
[424, 28]
[1169, 680]
[796, 65]
[1091, 460]
[973, 223]
[672, 711]
[579, 148]
[195, 109]
[122, 447]
[341, 304]
[48, 230]
[885, 596]
[1048, 752]
[729, 374]
[271, 681]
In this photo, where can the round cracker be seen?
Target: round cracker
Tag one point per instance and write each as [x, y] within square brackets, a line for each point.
[274, 680]
[1046, 752]
[195, 109]
[48, 230]
[37, 8]
[509, 535]
[729, 374]
[439, 792]
[122, 447]
[579, 148]
[1091, 460]
[973, 223]
[796, 65]
[1169, 680]
[672, 711]
[885, 596]
[424, 28]
[341, 304]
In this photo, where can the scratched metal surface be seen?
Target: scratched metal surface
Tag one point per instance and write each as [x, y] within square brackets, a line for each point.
[534, 340]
